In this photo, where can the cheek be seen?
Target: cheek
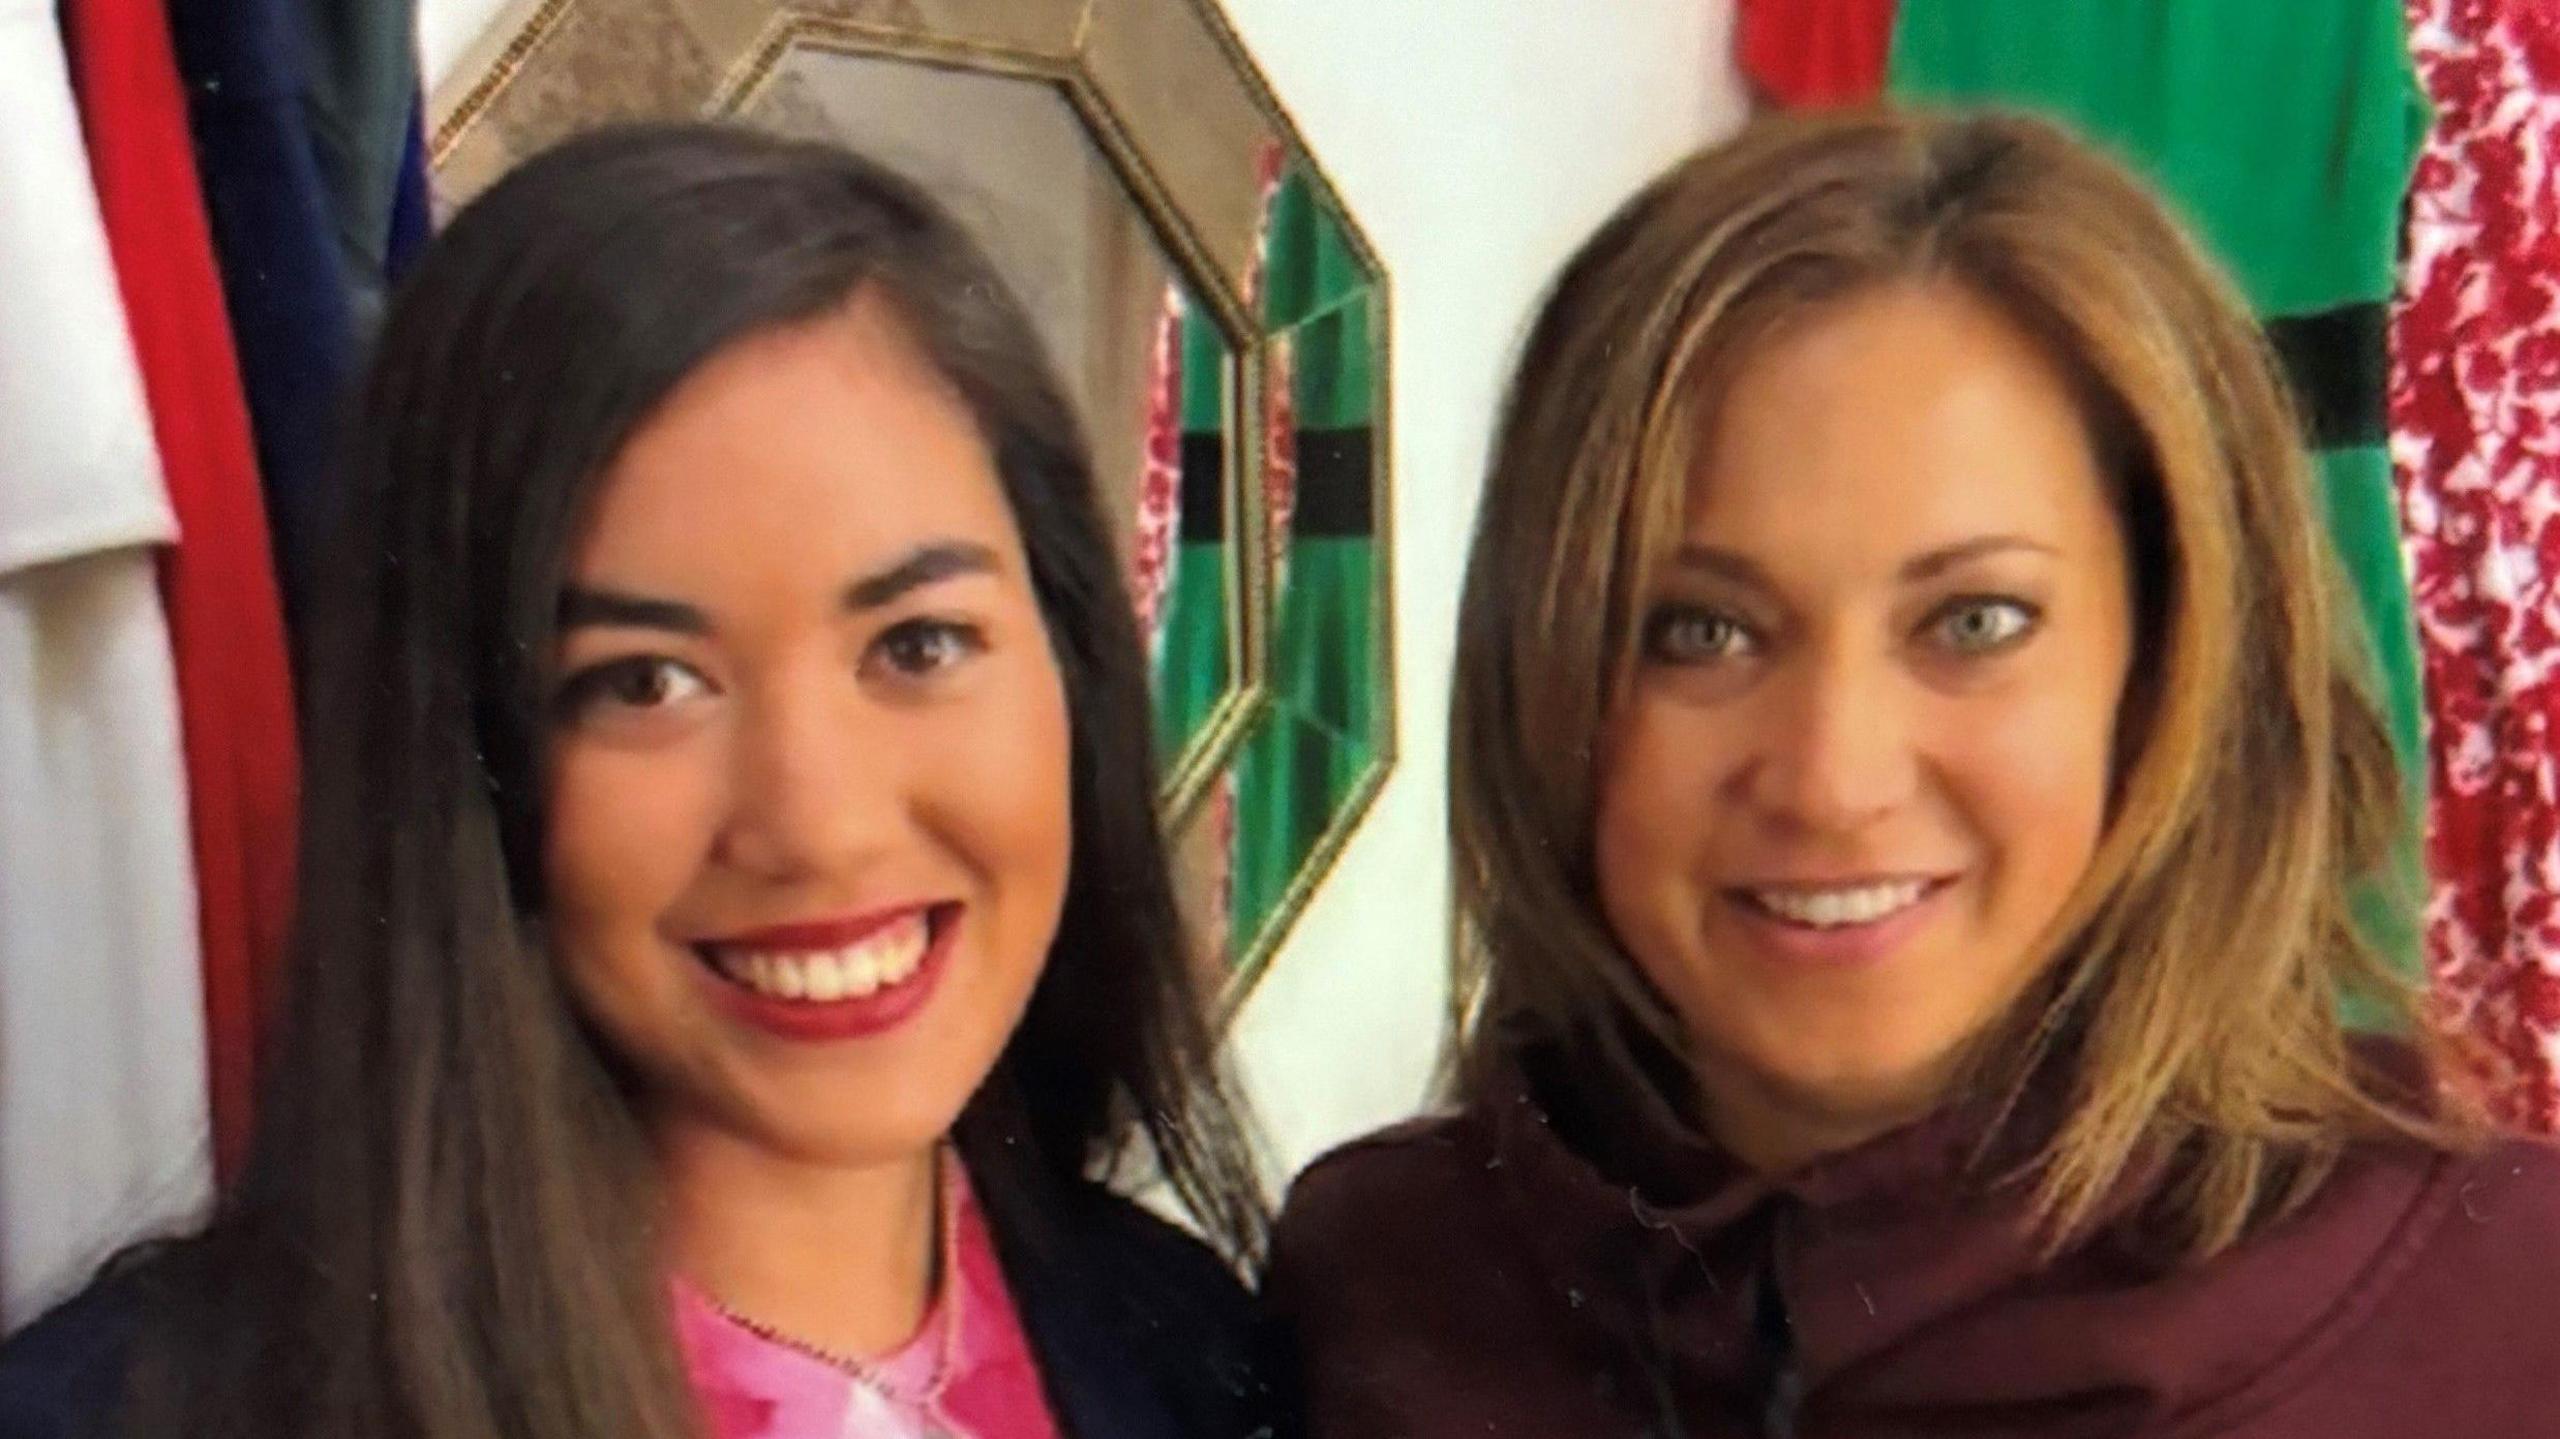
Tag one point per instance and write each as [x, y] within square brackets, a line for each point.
[997, 787]
[625, 834]
[1650, 831]
[2036, 777]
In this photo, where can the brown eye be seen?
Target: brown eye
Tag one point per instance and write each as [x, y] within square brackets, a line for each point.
[639, 683]
[922, 647]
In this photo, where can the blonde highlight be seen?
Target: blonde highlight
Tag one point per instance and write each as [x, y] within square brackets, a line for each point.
[2194, 1002]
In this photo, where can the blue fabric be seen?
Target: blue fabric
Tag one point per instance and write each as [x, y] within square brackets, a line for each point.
[274, 234]
[411, 222]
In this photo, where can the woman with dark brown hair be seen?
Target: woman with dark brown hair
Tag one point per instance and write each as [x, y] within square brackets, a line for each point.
[1913, 776]
[735, 933]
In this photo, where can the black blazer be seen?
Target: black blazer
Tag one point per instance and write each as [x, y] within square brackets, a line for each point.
[1140, 1330]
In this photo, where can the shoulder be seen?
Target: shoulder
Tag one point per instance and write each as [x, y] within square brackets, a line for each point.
[1375, 1228]
[1140, 1328]
[2449, 1329]
[1400, 1176]
[1125, 1244]
[63, 1375]
[2492, 1225]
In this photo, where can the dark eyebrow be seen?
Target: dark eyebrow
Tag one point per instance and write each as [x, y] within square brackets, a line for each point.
[1919, 568]
[616, 610]
[941, 560]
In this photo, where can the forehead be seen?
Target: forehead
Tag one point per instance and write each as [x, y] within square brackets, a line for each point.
[828, 447]
[1891, 422]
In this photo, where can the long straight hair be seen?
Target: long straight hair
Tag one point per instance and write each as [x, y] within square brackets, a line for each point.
[444, 1228]
[2193, 1009]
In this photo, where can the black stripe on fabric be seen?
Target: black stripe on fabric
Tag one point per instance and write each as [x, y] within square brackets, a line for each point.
[2339, 364]
[1204, 487]
[1335, 484]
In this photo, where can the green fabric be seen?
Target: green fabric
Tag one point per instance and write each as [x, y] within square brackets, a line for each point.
[1191, 665]
[2285, 134]
[1308, 263]
[2284, 129]
[1298, 768]
[360, 68]
[1193, 669]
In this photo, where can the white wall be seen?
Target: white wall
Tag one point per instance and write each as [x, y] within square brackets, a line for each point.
[1476, 141]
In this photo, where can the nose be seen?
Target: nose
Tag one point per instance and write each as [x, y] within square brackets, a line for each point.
[810, 792]
[1836, 749]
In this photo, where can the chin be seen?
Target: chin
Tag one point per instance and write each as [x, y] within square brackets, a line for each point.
[1860, 1081]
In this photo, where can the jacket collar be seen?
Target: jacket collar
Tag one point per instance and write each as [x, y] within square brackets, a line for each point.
[1910, 1268]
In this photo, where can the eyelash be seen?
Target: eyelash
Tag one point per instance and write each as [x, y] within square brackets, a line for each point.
[582, 693]
[1660, 629]
[968, 642]
[1662, 626]
[914, 650]
[1943, 620]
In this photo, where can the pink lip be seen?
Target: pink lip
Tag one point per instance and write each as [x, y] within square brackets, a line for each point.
[1847, 946]
[871, 1014]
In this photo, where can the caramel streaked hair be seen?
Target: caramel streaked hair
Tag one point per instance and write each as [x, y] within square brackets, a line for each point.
[2194, 1009]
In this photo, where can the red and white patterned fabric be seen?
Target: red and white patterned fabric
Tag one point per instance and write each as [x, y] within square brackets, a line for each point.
[2475, 420]
[1159, 516]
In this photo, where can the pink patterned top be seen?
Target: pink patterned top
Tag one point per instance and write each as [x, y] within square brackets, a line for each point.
[967, 1374]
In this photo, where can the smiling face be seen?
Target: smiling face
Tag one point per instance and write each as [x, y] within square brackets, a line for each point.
[807, 817]
[1866, 754]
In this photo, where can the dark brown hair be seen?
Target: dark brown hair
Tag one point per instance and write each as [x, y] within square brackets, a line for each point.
[443, 1229]
[2201, 966]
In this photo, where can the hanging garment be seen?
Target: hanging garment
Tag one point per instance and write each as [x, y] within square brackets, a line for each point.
[2475, 419]
[102, 1056]
[361, 95]
[1802, 54]
[234, 688]
[2296, 187]
[410, 212]
[274, 234]
[1184, 522]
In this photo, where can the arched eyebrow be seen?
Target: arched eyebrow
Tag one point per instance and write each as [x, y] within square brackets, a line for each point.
[585, 606]
[1919, 569]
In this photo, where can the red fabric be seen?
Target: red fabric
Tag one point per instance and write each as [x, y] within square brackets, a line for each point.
[235, 695]
[1808, 53]
[2475, 419]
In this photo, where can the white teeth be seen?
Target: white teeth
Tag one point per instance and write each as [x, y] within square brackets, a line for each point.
[790, 981]
[1835, 908]
[882, 959]
[825, 980]
[861, 975]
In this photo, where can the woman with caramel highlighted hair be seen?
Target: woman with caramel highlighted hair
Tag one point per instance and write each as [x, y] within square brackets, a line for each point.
[1915, 788]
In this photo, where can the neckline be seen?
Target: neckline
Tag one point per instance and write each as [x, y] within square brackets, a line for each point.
[940, 1327]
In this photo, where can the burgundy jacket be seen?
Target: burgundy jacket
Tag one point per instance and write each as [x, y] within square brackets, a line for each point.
[1521, 1270]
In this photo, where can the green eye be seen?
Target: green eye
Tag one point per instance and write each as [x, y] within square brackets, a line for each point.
[1982, 626]
[1695, 636]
